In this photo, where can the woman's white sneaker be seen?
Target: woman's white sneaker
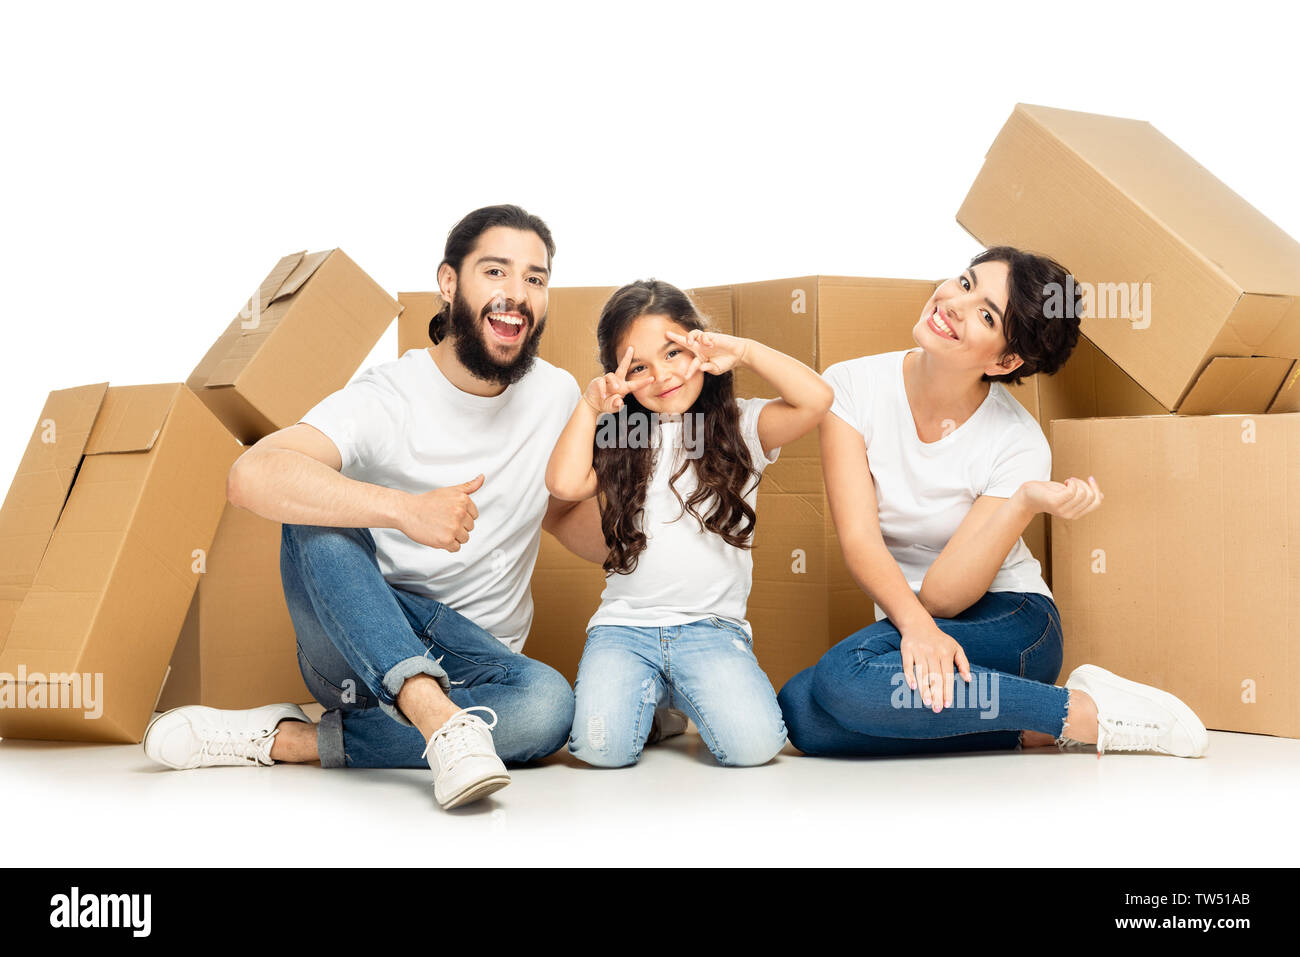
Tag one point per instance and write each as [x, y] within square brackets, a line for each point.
[463, 759]
[1138, 717]
[199, 737]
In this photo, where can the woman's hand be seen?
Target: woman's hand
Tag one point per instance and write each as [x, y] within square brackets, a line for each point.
[714, 352]
[928, 659]
[605, 393]
[1069, 499]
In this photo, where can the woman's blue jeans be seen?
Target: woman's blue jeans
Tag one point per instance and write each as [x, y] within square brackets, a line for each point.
[360, 638]
[856, 700]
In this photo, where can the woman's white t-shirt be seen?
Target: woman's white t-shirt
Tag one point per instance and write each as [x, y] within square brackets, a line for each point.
[925, 489]
[685, 572]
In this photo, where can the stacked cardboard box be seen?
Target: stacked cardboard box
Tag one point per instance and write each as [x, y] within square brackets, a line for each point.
[1187, 576]
[118, 551]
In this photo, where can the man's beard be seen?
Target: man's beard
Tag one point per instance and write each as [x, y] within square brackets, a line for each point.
[469, 340]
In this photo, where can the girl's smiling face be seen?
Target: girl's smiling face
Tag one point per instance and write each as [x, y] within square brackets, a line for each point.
[654, 354]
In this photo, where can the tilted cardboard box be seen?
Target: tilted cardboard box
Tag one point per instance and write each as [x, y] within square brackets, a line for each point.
[1194, 292]
[302, 335]
[1188, 577]
[114, 507]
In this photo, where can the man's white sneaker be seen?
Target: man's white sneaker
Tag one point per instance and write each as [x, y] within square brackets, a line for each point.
[463, 759]
[667, 723]
[199, 737]
[1137, 717]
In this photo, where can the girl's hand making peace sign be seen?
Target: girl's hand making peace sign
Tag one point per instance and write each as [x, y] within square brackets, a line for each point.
[605, 393]
[714, 352]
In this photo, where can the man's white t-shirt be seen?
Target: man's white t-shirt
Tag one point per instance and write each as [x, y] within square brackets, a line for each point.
[924, 490]
[403, 425]
[685, 572]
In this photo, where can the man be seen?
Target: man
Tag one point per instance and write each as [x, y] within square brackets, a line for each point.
[413, 502]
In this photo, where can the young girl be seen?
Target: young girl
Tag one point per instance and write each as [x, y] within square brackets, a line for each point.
[675, 460]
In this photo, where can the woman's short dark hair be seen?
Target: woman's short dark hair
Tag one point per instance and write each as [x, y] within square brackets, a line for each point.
[1034, 332]
[464, 235]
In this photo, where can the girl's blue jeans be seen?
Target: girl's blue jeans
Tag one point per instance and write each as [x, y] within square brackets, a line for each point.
[360, 638]
[704, 668]
[857, 702]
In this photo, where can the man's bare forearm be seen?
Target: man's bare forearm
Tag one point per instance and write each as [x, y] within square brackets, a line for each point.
[284, 485]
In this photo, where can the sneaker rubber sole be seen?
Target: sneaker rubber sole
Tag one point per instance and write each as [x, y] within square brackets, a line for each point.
[479, 789]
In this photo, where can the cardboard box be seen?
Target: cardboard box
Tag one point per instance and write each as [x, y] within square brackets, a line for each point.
[1089, 384]
[117, 497]
[1196, 294]
[302, 335]
[1188, 578]
[415, 311]
[238, 648]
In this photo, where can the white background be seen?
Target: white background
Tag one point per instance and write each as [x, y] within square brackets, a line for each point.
[159, 158]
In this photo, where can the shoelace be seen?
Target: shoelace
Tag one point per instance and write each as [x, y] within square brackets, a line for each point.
[1120, 735]
[223, 742]
[454, 740]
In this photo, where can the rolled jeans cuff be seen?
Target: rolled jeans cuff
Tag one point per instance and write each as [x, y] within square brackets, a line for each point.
[396, 677]
[329, 740]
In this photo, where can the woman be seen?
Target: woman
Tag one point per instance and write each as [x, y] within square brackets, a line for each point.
[932, 472]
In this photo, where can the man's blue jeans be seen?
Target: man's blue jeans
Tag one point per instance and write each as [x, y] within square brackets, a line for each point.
[857, 702]
[704, 668]
[359, 639]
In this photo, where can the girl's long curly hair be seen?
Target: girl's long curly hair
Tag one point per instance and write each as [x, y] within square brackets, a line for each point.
[722, 472]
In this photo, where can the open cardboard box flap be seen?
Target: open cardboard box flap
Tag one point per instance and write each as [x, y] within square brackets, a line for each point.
[40, 488]
[229, 355]
[131, 418]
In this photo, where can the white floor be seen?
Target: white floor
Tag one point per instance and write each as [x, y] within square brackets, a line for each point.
[97, 805]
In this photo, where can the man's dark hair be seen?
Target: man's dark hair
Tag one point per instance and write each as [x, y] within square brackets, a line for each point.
[465, 234]
[1044, 342]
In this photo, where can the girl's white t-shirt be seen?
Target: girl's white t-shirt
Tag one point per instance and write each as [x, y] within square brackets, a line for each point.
[685, 572]
[403, 425]
[924, 490]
